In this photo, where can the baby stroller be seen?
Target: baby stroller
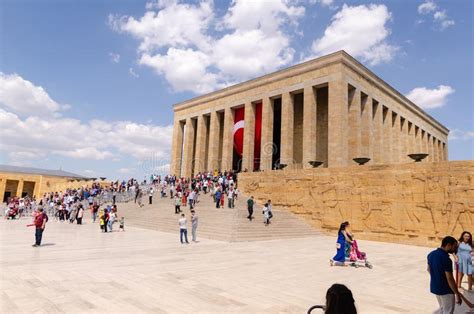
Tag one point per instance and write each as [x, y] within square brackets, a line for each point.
[12, 213]
[357, 258]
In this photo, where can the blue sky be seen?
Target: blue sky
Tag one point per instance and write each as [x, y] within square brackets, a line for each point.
[88, 86]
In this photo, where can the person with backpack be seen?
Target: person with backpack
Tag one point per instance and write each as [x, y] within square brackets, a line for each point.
[40, 223]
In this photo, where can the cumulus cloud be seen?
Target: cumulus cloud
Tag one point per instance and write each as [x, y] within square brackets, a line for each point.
[114, 57]
[430, 98]
[184, 69]
[427, 7]
[201, 54]
[439, 16]
[361, 31]
[22, 97]
[37, 135]
[133, 73]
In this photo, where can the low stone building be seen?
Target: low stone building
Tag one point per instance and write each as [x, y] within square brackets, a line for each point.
[22, 181]
[330, 109]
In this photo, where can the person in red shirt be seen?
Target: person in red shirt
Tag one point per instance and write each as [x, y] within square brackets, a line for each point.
[40, 222]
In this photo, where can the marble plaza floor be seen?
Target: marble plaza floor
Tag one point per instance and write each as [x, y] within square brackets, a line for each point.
[81, 270]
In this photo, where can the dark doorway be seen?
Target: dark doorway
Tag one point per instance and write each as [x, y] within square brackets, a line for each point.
[276, 131]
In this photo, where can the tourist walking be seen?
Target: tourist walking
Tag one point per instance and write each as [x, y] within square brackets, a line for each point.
[40, 223]
[112, 217]
[464, 259]
[150, 195]
[266, 214]
[95, 209]
[440, 268]
[80, 214]
[194, 222]
[191, 199]
[217, 197]
[230, 198]
[250, 203]
[183, 229]
[122, 224]
[177, 204]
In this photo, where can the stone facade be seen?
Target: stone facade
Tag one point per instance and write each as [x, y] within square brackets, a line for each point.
[331, 109]
[413, 203]
[20, 184]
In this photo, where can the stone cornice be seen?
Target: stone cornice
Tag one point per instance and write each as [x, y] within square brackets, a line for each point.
[370, 76]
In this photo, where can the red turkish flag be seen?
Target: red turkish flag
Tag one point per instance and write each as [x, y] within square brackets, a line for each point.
[239, 124]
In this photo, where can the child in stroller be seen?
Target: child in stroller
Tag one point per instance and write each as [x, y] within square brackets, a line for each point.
[12, 212]
[354, 257]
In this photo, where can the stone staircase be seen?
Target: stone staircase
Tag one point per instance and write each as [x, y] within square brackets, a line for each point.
[223, 224]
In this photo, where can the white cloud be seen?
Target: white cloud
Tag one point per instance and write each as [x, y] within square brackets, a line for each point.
[22, 97]
[457, 134]
[439, 16]
[361, 31]
[132, 73]
[114, 57]
[175, 24]
[427, 7]
[184, 69]
[201, 55]
[38, 136]
[326, 3]
[430, 98]
[442, 18]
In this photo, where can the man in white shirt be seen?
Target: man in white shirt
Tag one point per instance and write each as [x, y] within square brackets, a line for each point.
[230, 198]
[183, 229]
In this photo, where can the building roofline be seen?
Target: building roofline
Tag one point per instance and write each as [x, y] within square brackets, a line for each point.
[336, 57]
[39, 171]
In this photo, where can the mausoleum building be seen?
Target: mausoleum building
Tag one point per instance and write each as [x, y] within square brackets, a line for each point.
[330, 109]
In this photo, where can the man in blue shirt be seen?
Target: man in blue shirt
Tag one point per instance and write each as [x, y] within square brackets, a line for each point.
[442, 282]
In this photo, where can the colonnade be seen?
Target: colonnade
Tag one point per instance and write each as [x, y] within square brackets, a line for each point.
[332, 121]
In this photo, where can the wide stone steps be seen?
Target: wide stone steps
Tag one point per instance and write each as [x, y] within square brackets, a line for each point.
[226, 224]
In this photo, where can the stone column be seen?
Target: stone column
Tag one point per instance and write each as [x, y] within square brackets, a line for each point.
[435, 152]
[199, 159]
[3, 185]
[212, 160]
[404, 141]
[309, 125]
[177, 148]
[445, 151]
[19, 188]
[266, 148]
[249, 137]
[36, 191]
[377, 122]
[411, 138]
[366, 132]
[395, 138]
[440, 151]
[228, 144]
[387, 135]
[417, 140]
[354, 125]
[337, 123]
[287, 124]
[188, 148]
[430, 148]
